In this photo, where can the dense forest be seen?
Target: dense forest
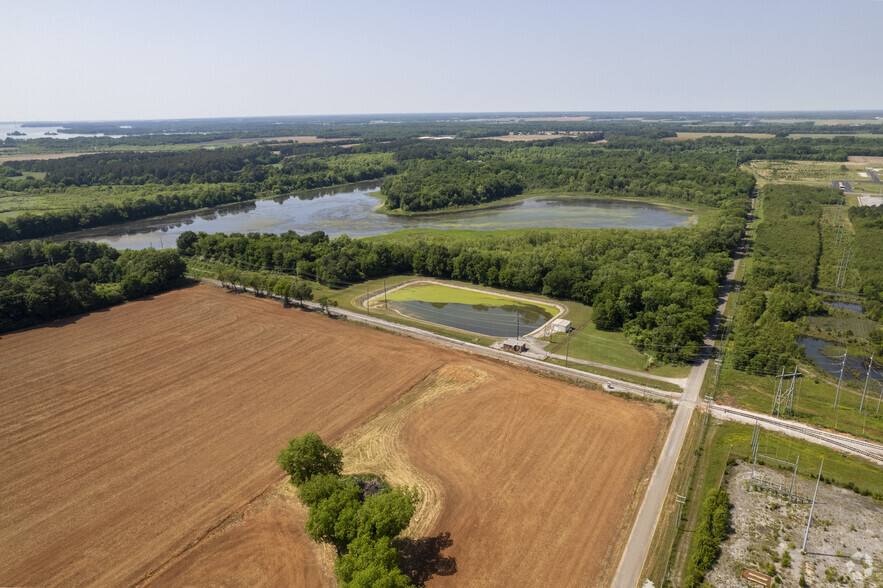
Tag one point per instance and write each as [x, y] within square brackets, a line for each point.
[162, 167]
[249, 182]
[472, 174]
[658, 287]
[419, 175]
[867, 255]
[41, 280]
[778, 286]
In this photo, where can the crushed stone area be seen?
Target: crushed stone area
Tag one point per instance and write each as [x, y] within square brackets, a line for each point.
[845, 546]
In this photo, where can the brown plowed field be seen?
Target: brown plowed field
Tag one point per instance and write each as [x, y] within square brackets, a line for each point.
[134, 439]
[536, 478]
[129, 433]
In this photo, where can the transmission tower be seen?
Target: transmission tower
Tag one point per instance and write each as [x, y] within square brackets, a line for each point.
[785, 398]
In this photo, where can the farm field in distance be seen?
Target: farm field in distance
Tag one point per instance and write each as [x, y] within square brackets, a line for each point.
[134, 431]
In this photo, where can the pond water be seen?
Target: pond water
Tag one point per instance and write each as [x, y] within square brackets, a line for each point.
[350, 210]
[845, 306]
[495, 321]
[828, 355]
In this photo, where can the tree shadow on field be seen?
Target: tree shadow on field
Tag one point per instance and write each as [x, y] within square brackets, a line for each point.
[421, 559]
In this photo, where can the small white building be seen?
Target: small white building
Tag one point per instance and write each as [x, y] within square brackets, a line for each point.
[560, 326]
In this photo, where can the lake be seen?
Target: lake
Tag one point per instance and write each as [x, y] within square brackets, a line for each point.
[350, 210]
[495, 321]
[37, 132]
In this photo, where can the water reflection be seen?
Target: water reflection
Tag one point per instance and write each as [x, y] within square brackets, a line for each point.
[351, 210]
[828, 356]
[845, 306]
[496, 321]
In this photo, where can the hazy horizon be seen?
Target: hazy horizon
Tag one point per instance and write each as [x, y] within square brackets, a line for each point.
[99, 60]
[575, 113]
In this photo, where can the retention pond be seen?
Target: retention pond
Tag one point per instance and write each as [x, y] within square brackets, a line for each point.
[483, 312]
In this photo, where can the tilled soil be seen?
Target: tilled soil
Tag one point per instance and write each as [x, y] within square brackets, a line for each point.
[139, 444]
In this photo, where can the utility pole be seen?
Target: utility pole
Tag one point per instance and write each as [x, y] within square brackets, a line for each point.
[840, 269]
[867, 378]
[846, 267]
[567, 353]
[385, 305]
[517, 330]
[813, 507]
[786, 398]
[881, 397]
[717, 372]
[840, 381]
[680, 500]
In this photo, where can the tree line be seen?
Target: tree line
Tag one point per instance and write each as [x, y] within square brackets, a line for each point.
[712, 527]
[778, 286]
[421, 175]
[42, 280]
[159, 167]
[658, 287]
[867, 222]
[464, 173]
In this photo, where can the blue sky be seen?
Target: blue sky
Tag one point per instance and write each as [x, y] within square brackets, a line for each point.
[98, 59]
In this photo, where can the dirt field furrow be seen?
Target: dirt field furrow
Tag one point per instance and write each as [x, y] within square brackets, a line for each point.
[139, 445]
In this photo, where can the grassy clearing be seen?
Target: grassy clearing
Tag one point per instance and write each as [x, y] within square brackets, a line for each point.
[813, 401]
[659, 385]
[607, 347]
[814, 173]
[14, 203]
[840, 321]
[439, 293]
[702, 465]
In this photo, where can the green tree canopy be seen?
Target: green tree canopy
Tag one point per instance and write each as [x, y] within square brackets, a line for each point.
[306, 456]
[370, 563]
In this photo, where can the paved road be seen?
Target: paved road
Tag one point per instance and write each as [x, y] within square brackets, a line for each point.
[682, 382]
[838, 184]
[532, 363]
[628, 574]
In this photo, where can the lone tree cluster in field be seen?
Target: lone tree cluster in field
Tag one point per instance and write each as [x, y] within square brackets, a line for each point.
[359, 515]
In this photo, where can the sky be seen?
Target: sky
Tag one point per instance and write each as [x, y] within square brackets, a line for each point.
[122, 59]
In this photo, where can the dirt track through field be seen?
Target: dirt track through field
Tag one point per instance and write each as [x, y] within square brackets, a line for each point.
[130, 434]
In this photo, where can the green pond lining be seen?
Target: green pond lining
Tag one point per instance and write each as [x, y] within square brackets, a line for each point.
[434, 292]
